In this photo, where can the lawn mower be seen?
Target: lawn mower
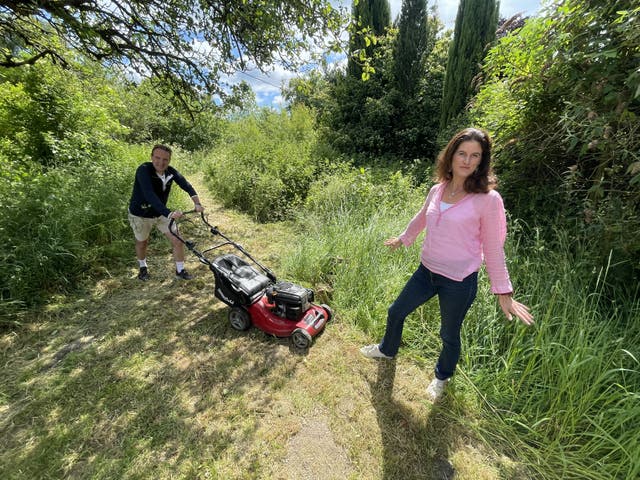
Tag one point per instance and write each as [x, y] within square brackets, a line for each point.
[279, 308]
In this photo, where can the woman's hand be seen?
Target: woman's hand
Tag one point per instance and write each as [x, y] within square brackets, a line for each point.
[392, 243]
[511, 307]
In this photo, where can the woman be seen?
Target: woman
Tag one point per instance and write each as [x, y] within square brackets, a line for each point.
[465, 223]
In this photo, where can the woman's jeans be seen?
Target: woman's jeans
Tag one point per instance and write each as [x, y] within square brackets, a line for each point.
[455, 299]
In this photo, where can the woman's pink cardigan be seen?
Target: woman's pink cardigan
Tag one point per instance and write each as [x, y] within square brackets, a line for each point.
[458, 238]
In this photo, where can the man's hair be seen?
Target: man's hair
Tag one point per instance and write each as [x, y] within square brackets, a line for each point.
[159, 146]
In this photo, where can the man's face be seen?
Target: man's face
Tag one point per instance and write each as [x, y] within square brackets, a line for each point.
[160, 159]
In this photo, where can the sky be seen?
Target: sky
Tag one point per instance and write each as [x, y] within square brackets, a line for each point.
[267, 87]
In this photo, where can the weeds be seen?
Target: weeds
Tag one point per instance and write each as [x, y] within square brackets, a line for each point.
[562, 395]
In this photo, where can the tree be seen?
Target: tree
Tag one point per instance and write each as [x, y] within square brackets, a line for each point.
[475, 29]
[380, 16]
[160, 117]
[419, 109]
[411, 43]
[186, 44]
[371, 19]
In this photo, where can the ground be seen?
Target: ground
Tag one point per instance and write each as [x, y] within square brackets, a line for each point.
[148, 380]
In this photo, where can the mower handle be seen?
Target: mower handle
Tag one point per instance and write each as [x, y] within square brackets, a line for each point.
[214, 231]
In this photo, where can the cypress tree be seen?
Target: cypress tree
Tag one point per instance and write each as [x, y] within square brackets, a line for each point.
[372, 14]
[475, 29]
[410, 45]
[380, 16]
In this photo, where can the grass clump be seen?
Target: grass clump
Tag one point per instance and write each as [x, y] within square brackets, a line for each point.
[58, 223]
[566, 392]
[560, 396]
[347, 217]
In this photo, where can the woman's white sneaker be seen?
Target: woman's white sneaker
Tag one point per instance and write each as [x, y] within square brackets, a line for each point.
[373, 351]
[436, 389]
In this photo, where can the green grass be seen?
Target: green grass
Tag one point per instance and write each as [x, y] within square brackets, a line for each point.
[132, 380]
[566, 392]
[560, 396]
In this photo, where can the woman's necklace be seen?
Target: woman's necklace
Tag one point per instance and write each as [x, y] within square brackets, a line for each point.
[453, 192]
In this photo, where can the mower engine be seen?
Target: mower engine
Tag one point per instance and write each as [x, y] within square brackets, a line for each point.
[291, 301]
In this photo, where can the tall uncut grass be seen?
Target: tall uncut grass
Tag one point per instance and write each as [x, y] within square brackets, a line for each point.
[561, 396]
[61, 224]
[565, 394]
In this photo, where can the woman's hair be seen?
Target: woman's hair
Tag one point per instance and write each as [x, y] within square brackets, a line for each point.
[482, 179]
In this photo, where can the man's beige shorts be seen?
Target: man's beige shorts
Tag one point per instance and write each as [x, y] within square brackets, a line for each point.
[142, 226]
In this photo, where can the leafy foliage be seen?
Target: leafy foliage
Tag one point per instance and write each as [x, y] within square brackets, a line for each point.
[50, 116]
[265, 165]
[562, 98]
[187, 44]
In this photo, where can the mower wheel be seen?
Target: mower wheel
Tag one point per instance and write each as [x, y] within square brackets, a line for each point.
[329, 311]
[239, 318]
[301, 339]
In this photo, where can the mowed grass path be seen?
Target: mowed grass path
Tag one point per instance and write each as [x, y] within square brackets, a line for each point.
[148, 380]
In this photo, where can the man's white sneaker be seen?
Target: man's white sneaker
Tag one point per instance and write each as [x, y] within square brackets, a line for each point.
[373, 351]
[436, 389]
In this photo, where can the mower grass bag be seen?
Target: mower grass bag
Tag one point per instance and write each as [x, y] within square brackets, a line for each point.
[237, 282]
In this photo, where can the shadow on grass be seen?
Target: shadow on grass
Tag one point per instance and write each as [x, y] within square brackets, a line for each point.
[413, 447]
[163, 388]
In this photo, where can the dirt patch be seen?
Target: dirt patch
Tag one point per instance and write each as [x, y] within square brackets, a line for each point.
[313, 454]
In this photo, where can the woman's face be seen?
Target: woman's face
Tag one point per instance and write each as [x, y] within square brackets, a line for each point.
[466, 159]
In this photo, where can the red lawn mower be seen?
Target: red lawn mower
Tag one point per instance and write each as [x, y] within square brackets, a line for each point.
[282, 309]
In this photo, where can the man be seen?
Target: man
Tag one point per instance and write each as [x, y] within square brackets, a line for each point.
[148, 207]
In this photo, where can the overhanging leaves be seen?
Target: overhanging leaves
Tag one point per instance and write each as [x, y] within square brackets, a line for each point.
[189, 44]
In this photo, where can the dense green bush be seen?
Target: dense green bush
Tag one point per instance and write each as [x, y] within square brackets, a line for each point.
[64, 181]
[562, 99]
[265, 164]
[53, 117]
